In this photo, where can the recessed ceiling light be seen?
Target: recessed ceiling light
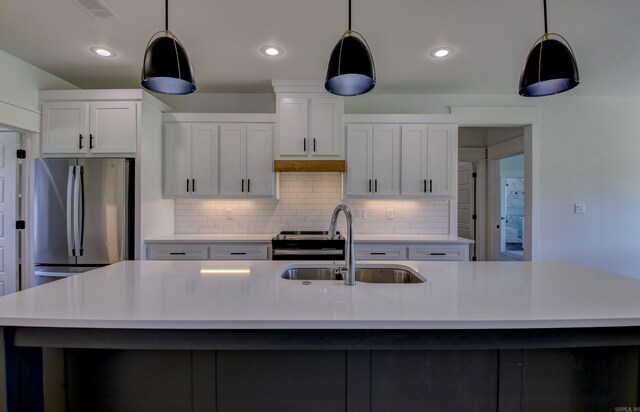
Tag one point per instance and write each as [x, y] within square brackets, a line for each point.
[441, 52]
[271, 51]
[103, 51]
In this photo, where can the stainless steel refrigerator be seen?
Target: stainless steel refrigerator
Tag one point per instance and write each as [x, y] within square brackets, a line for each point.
[83, 215]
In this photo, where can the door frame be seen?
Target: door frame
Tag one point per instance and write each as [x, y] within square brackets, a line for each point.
[529, 119]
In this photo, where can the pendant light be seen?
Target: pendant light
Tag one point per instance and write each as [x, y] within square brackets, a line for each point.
[166, 68]
[351, 70]
[551, 67]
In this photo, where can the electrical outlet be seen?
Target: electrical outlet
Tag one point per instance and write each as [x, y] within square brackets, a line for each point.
[391, 214]
[229, 215]
[361, 213]
[578, 208]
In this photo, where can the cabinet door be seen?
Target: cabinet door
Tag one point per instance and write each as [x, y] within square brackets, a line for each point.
[325, 126]
[65, 127]
[386, 160]
[204, 159]
[358, 176]
[113, 127]
[414, 160]
[233, 147]
[293, 125]
[440, 158]
[177, 155]
[259, 160]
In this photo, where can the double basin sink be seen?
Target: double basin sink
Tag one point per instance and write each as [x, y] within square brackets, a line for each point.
[364, 273]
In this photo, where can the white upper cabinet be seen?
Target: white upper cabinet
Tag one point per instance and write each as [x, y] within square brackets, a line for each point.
[428, 155]
[373, 159]
[191, 159]
[309, 125]
[83, 128]
[246, 160]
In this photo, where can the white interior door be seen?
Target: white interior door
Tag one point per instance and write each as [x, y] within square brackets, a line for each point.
[8, 146]
[465, 200]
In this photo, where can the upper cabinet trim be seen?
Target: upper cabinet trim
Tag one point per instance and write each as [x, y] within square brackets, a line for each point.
[219, 117]
[400, 118]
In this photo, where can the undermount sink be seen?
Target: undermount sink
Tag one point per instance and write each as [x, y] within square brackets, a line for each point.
[364, 273]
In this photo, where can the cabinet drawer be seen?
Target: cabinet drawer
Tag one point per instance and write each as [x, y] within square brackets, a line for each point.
[439, 252]
[239, 252]
[177, 252]
[383, 252]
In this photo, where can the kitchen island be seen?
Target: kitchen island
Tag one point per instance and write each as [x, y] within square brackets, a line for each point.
[234, 335]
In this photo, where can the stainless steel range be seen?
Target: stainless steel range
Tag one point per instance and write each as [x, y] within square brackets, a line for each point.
[307, 245]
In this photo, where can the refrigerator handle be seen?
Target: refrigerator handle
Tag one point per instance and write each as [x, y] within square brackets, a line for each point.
[81, 217]
[70, 178]
[76, 208]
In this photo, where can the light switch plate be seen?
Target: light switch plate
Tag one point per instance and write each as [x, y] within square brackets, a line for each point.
[391, 214]
[578, 208]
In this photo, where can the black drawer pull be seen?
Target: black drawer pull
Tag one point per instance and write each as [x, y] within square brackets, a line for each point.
[369, 185]
[242, 185]
[238, 253]
[304, 145]
[425, 185]
[248, 185]
[91, 145]
[438, 254]
[177, 253]
[430, 185]
[80, 141]
[193, 184]
[378, 253]
[314, 144]
[187, 185]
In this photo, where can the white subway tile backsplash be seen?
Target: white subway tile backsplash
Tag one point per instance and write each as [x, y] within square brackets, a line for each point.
[306, 202]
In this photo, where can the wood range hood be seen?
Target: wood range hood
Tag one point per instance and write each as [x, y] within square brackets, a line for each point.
[317, 166]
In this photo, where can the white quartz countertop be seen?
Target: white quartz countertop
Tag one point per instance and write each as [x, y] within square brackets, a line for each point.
[260, 237]
[252, 295]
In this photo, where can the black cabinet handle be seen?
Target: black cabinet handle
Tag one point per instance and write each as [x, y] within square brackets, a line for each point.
[177, 253]
[430, 185]
[193, 185]
[242, 185]
[248, 185]
[369, 185]
[425, 185]
[438, 254]
[314, 144]
[187, 185]
[91, 145]
[378, 253]
[304, 144]
[80, 141]
[238, 253]
[376, 185]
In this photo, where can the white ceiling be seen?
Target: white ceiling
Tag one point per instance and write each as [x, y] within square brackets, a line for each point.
[491, 39]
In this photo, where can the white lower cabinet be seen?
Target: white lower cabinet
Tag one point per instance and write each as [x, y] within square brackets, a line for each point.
[240, 251]
[439, 252]
[381, 252]
[208, 251]
[424, 251]
[180, 251]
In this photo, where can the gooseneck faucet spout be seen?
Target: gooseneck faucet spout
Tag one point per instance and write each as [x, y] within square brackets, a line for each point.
[349, 253]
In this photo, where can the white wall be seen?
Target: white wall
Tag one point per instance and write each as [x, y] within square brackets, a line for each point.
[19, 86]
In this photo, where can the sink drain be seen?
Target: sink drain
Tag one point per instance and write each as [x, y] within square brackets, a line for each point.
[306, 282]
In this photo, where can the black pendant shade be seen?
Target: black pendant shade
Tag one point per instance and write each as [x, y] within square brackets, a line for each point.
[350, 71]
[166, 67]
[550, 68]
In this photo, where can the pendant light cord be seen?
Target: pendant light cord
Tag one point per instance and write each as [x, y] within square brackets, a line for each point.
[349, 15]
[546, 30]
[166, 15]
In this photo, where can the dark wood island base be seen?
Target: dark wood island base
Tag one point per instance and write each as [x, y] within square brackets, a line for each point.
[67, 369]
